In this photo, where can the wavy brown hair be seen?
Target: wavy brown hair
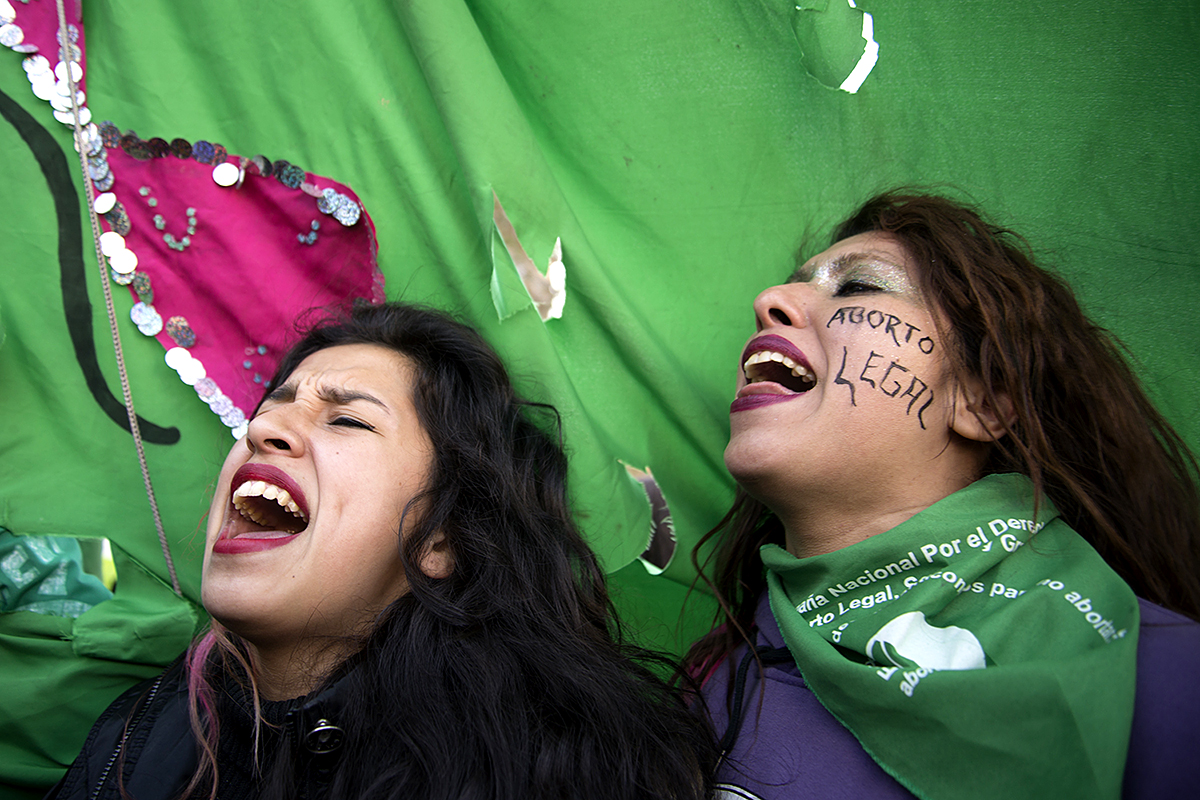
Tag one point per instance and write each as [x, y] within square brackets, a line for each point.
[1084, 430]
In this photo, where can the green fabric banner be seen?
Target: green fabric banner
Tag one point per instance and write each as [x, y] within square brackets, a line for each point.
[681, 151]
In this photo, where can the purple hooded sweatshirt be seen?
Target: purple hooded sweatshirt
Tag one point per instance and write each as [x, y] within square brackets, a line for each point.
[789, 746]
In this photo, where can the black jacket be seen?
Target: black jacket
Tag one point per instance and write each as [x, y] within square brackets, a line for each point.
[144, 741]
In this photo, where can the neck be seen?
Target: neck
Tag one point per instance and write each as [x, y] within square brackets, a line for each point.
[283, 673]
[807, 534]
[824, 524]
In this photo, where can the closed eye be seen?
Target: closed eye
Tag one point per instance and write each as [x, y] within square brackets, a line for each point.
[351, 422]
[850, 288]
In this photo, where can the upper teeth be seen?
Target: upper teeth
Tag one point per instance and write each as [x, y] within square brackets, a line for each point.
[268, 491]
[799, 370]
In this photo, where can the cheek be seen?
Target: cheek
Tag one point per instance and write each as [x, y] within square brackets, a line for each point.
[238, 455]
[366, 575]
[889, 327]
[868, 374]
[216, 515]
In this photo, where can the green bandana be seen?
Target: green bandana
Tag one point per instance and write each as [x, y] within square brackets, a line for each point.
[967, 659]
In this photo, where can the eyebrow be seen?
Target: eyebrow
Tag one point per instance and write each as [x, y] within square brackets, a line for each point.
[838, 266]
[327, 394]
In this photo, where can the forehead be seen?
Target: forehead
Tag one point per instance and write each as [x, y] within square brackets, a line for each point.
[862, 249]
[366, 367]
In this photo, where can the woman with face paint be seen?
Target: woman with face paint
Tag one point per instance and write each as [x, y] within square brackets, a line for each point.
[402, 605]
[963, 557]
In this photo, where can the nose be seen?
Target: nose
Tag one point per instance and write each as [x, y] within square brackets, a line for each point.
[786, 304]
[275, 431]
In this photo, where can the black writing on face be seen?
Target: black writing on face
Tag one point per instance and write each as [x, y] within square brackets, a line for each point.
[884, 380]
[892, 382]
[892, 325]
[862, 376]
[841, 381]
[914, 395]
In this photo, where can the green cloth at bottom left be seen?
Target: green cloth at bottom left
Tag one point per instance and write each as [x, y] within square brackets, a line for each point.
[61, 673]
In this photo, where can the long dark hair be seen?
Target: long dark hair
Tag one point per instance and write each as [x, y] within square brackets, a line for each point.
[509, 678]
[1084, 431]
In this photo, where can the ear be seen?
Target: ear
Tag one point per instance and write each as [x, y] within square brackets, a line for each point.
[438, 559]
[977, 419]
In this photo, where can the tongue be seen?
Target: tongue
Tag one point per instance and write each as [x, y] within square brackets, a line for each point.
[263, 535]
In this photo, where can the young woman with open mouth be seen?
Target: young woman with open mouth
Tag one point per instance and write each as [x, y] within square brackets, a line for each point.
[402, 605]
[963, 557]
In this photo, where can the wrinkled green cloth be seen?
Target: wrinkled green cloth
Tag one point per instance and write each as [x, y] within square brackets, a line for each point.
[60, 673]
[976, 650]
[45, 575]
[681, 150]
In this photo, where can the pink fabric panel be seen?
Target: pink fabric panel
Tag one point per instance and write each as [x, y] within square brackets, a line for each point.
[38, 20]
[245, 277]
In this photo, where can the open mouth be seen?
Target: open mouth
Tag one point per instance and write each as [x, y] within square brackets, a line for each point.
[269, 507]
[267, 501]
[773, 359]
[767, 365]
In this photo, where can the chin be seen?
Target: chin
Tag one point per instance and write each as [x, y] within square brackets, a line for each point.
[746, 459]
[230, 602]
[212, 602]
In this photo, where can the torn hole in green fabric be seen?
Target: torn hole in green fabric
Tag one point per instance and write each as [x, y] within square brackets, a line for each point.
[546, 292]
[661, 543]
[837, 42]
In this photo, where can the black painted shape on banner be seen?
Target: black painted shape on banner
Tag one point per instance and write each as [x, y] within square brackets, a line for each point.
[76, 305]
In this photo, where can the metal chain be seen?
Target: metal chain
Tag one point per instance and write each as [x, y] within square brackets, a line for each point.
[134, 428]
